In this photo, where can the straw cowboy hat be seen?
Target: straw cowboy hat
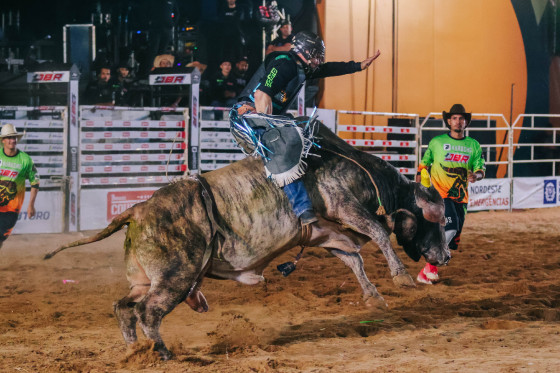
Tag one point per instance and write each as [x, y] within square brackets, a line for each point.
[8, 130]
[456, 109]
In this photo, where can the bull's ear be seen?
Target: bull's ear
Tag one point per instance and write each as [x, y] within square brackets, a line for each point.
[431, 203]
[403, 224]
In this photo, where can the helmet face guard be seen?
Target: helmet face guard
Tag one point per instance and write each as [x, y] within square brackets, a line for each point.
[311, 47]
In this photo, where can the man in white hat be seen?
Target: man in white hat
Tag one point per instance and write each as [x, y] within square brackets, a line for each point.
[15, 167]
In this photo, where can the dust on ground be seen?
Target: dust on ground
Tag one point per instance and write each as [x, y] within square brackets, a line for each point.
[496, 309]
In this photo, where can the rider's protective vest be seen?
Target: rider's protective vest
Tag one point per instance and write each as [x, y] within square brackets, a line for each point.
[283, 99]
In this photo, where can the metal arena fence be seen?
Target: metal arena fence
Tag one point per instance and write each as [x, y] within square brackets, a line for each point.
[119, 156]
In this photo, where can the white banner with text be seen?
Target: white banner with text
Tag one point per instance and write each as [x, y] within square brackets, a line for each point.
[536, 192]
[489, 194]
[48, 214]
[99, 206]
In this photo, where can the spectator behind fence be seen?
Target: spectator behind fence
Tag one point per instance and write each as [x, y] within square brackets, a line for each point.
[121, 84]
[164, 60]
[99, 91]
[222, 86]
[15, 167]
[283, 42]
[240, 75]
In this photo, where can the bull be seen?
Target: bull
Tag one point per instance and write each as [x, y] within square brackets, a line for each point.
[181, 235]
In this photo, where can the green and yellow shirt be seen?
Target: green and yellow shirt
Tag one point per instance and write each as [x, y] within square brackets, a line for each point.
[13, 173]
[450, 161]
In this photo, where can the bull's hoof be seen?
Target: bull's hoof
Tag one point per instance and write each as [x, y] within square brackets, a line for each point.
[376, 303]
[403, 280]
[197, 301]
[164, 353]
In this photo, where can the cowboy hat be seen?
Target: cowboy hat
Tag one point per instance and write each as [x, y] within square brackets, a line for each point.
[8, 130]
[456, 109]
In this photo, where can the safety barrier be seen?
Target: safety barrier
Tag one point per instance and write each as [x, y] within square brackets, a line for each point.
[217, 148]
[543, 147]
[396, 144]
[97, 161]
[125, 154]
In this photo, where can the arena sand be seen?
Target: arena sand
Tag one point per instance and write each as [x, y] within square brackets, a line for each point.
[496, 309]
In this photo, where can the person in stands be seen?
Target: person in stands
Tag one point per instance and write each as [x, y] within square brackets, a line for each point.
[100, 91]
[283, 42]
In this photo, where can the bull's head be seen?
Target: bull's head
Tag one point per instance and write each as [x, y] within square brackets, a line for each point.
[419, 228]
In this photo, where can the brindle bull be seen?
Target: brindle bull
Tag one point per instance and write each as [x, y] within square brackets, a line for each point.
[174, 239]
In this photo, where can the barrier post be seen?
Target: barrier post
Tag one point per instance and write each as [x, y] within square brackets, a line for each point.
[71, 182]
[193, 141]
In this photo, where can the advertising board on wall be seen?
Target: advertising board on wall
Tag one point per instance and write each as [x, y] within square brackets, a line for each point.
[489, 194]
[536, 192]
[99, 206]
[48, 216]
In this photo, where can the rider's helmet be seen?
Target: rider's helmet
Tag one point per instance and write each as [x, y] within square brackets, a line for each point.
[311, 48]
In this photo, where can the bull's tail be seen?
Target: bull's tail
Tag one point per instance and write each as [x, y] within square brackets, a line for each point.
[115, 225]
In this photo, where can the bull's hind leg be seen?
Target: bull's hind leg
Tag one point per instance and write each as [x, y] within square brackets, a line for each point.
[124, 308]
[124, 311]
[161, 299]
[354, 260]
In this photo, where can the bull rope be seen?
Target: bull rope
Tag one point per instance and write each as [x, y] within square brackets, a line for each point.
[380, 209]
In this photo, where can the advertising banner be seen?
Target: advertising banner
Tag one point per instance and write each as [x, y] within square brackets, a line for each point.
[489, 194]
[48, 216]
[99, 206]
[536, 192]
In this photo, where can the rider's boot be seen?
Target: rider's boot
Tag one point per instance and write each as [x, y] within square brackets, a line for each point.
[315, 229]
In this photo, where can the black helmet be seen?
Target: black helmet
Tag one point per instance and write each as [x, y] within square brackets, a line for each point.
[311, 48]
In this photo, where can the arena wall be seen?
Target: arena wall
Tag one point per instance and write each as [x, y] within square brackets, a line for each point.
[434, 53]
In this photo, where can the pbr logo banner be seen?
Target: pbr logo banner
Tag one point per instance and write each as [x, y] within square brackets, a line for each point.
[489, 194]
[48, 77]
[170, 79]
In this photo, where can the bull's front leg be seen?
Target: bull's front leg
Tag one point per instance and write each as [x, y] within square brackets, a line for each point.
[354, 260]
[361, 221]
[399, 273]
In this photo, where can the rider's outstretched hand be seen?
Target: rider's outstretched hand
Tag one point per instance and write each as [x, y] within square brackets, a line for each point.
[369, 60]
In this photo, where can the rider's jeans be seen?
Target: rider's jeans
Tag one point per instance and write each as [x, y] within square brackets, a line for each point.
[298, 197]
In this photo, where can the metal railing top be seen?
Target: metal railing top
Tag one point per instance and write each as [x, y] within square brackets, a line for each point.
[533, 116]
[130, 108]
[31, 108]
[387, 114]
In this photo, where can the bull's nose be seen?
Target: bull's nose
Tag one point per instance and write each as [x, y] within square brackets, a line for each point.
[447, 259]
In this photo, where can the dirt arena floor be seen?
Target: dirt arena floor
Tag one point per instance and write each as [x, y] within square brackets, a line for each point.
[496, 309]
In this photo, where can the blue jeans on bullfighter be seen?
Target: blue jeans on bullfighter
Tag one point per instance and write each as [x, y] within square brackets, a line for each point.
[298, 197]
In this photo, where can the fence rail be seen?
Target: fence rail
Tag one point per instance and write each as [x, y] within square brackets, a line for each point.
[120, 157]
